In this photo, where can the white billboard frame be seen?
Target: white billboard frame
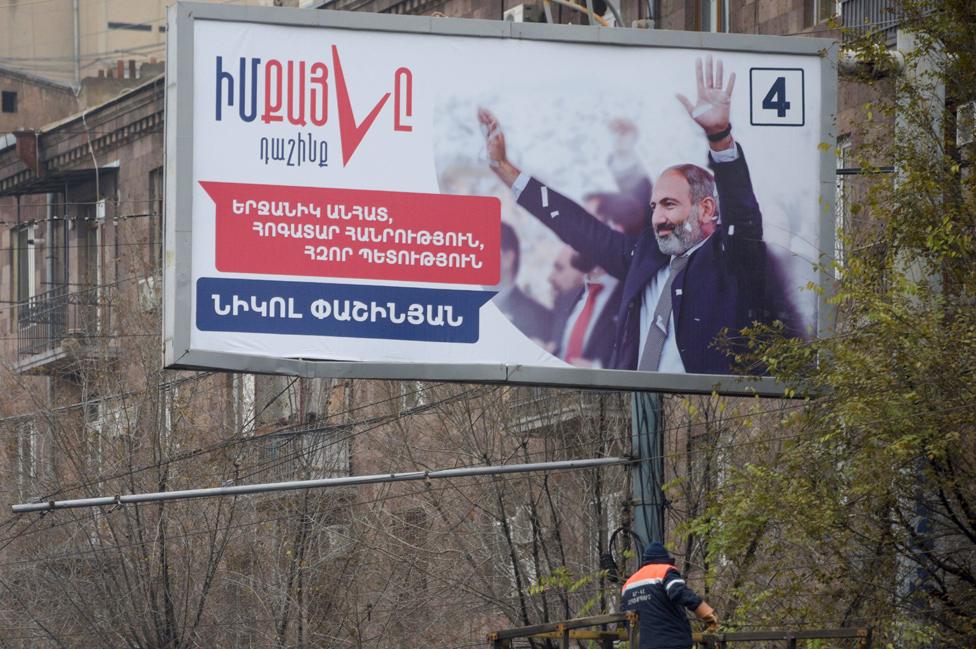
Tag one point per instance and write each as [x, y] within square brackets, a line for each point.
[179, 126]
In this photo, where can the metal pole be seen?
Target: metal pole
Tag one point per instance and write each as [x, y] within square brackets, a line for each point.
[238, 490]
[77, 19]
[647, 474]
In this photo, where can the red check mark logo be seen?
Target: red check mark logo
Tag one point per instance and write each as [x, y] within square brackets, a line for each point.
[350, 133]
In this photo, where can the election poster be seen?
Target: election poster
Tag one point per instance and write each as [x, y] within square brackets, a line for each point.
[397, 198]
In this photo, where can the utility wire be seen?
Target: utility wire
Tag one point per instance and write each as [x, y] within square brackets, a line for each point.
[85, 519]
[374, 423]
[236, 440]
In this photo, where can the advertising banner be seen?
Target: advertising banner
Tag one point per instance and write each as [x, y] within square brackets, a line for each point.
[586, 213]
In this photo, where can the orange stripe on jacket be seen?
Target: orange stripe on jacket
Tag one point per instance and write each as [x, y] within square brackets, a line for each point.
[652, 573]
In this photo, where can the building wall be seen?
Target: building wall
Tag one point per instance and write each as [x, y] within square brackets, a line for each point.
[37, 102]
[39, 37]
[631, 10]
[773, 17]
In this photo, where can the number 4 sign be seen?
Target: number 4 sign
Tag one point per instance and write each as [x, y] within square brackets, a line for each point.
[776, 97]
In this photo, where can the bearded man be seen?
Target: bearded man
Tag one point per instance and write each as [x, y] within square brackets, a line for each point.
[689, 275]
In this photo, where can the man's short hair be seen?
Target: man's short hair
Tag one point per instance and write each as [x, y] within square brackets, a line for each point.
[581, 262]
[700, 181]
[510, 241]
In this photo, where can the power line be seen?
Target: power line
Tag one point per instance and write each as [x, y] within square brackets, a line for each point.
[236, 440]
[353, 480]
[720, 421]
[258, 522]
[376, 422]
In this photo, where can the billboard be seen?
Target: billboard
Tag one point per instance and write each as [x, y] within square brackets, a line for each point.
[407, 197]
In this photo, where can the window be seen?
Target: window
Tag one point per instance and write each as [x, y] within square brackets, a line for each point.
[842, 207]
[26, 432]
[325, 453]
[94, 426]
[518, 542]
[412, 528]
[817, 11]
[243, 400]
[8, 101]
[87, 242]
[713, 15]
[155, 212]
[411, 395]
[110, 418]
[57, 242]
[136, 27]
[24, 263]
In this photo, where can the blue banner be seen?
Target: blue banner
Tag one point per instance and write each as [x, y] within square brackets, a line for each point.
[341, 310]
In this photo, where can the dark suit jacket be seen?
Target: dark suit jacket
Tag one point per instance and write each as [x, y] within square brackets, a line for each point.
[722, 287]
[533, 319]
[562, 308]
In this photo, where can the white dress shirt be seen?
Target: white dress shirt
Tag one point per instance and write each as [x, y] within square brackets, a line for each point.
[609, 283]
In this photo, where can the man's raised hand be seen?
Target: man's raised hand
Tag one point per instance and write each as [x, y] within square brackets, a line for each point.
[711, 107]
[495, 146]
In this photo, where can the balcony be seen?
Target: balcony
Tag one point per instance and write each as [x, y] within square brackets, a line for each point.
[871, 17]
[63, 326]
[539, 411]
[303, 454]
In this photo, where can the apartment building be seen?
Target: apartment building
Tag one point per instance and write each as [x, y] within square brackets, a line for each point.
[69, 40]
[29, 101]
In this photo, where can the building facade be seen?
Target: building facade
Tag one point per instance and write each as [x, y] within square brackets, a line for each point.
[29, 101]
[69, 40]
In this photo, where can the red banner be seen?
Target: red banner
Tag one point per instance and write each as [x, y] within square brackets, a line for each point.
[362, 234]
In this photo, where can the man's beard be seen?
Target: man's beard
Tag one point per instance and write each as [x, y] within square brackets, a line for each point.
[683, 237]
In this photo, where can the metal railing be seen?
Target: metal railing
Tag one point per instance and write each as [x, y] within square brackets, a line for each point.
[540, 408]
[46, 320]
[301, 455]
[625, 627]
[879, 17]
[572, 630]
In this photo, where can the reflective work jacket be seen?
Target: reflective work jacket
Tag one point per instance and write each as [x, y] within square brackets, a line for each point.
[658, 594]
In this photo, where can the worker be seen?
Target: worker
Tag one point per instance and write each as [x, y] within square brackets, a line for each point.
[657, 593]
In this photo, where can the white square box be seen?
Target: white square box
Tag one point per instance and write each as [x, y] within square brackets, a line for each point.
[776, 97]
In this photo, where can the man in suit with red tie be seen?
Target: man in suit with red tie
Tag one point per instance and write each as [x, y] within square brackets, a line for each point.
[587, 338]
[690, 274]
[588, 335]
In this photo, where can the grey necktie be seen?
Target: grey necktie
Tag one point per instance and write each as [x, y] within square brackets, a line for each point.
[657, 332]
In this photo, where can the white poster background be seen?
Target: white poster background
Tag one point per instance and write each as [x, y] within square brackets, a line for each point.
[554, 101]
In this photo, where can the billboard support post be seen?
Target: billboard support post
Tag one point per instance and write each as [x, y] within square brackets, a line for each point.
[647, 472]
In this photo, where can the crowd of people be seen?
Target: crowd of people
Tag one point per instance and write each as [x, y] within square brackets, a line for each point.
[578, 328]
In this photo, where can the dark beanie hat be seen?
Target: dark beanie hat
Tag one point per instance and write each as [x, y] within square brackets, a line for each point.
[655, 552]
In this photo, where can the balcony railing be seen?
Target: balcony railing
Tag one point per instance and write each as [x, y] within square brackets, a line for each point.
[300, 455]
[46, 320]
[880, 17]
[544, 409]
